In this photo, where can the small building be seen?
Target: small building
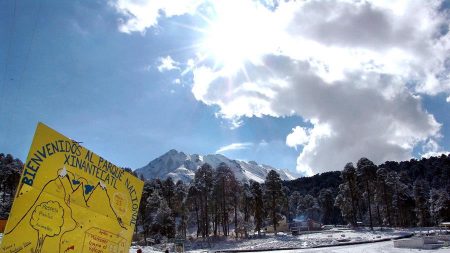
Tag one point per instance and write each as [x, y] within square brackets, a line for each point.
[304, 225]
[445, 225]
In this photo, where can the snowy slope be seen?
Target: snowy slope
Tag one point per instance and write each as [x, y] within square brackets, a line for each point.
[181, 166]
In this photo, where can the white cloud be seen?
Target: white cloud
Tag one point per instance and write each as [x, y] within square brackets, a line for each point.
[143, 14]
[432, 148]
[167, 63]
[448, 99]
[299, 136]
[234, 146]
[348, 121]
[436, 154]
[310, 138]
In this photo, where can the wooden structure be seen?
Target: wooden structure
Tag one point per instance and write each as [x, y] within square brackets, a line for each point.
[2, 225]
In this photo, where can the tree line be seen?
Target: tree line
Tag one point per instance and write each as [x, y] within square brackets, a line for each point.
[405, 194]
[215, 203]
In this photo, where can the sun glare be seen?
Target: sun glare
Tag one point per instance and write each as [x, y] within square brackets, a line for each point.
[236, 35]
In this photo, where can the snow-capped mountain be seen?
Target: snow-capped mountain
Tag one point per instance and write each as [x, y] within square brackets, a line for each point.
[181, 166]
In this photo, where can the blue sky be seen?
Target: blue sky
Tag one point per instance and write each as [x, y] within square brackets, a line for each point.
[259, 82]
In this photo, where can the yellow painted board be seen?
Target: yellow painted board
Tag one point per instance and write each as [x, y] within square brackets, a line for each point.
[71, 200]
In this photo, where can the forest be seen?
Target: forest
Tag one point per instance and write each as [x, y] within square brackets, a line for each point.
[393, 194]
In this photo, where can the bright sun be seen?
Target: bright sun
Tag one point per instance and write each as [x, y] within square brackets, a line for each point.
[237, 33]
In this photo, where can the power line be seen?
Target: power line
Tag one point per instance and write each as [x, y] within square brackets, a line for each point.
[27, 56]
[8, 52]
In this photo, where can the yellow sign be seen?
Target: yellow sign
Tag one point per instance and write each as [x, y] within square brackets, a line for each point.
[71, 200]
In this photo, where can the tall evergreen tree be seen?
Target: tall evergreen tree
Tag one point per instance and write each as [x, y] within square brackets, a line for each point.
[144, 217]
[348, 196]
[194, 202]
[421, 197]
[164, 223]
[180, 205]
[203, 181]
[225, 186]
[366, 171]
[312, 210]
[344, 203]
[294, 201]
[152, 203]
[274, 196]
[168, 191]
[246, 206]
[439, 206]
[383, 195]
[326, 202]
[257, 205]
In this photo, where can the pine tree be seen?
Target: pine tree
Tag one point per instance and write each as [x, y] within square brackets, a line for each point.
[257, 205]
[366, 172]
[203, 181]
[235, 198]
[326, 202]
[383, 195]
[194, 203]
[439, 204]
[168, 191]
[164, 222]
[344, 203]
[246, 206]
[144, 215]
[180, 206]
[348, 196]
[274, 196]
[294, 202]
[312, 210]
[150, 209]
[285, 203]
[224, 189]
[392, 182]
[421, 197]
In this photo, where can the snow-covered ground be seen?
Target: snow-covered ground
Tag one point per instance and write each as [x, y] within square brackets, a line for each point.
[377, 247]
[146, 249]
[283, 240]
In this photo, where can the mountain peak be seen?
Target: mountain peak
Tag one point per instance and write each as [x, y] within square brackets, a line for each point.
[253, 162]
[181, 166]
[172, 152]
